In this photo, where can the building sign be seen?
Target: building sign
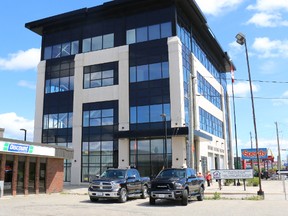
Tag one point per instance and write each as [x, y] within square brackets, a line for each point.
[232, 174]
[26, 149]
[252, 153]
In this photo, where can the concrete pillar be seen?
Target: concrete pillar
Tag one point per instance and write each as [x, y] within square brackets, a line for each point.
[123, 159]
[2, 132]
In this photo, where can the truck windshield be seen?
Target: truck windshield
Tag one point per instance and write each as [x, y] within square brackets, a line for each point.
[172, 173]
[117, 174]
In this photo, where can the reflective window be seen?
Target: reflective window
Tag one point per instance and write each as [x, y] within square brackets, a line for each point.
[147, 33]
[141, 34]
[61, 50]
[147, 72]
[210, 123]
[148, 155]
[57, 120]
[98, 43]
[100, 75]
[98, 117]
[149, 113]
[154, 32]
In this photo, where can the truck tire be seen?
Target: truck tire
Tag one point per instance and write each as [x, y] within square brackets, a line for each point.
[144, 194]
[184, 200]
[201, 194]
[152, 201]
[123, 195]
[92, 199]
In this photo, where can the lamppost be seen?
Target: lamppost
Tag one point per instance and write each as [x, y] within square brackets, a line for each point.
[242, 40]
[25, 132]
[235, 127]
[163, 115]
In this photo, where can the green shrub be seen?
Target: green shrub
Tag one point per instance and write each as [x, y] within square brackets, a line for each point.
[253, 182]
[228, 182]
[216, 196]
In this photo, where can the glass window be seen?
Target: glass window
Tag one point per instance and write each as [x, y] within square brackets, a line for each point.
[47, 52]
[143, 114]
[74, 47]
[157, 146]
[107, 74]
[166, 30]
[107, 82]
[142, 73]
[65, 49]
[165, 69]
[131, 36]
[133, 115]
[132, 74]
[64, 84]
[56, 51]
[155, 113]
[141, 34]
[108, 41]
[155, 71]
[107, 112]
[154, 32]
[97, 43]
[86, 45]
[143, 147]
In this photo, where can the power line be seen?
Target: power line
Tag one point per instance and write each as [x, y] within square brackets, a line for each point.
[265, 81]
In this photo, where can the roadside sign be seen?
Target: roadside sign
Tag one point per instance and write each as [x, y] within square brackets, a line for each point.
[232, 174]
[282, 172]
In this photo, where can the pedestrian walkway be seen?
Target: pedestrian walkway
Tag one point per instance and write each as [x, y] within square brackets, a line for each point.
[273, 190]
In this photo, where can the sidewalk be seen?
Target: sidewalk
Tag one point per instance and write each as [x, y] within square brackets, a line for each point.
[273, 190]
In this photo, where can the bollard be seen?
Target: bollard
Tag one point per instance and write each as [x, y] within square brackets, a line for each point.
[1, 188]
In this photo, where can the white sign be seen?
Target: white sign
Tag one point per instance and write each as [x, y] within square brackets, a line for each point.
[232, 174]
[26, 149]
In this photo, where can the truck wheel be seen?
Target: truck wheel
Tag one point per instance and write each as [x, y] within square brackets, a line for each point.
[123, 195]
[201, 194]
[92, 199]
[184, 200]
[152, 201]
[144, 194]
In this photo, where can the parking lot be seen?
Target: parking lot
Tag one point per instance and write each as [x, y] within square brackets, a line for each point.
[74, 200]
[75, 204]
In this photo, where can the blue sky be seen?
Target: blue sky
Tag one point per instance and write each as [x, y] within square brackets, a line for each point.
[264, 23]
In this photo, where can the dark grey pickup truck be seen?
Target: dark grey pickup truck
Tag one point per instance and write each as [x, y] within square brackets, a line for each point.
[177, 184]
[119, 184]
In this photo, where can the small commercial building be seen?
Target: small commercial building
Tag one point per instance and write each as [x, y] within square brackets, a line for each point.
[31, 168]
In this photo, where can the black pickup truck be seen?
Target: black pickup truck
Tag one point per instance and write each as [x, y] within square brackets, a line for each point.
[177, 184]
[119, 184]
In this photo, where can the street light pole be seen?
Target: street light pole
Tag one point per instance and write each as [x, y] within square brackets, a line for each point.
[25, 132]
[242, 40]
[163, 115]
[235, 127]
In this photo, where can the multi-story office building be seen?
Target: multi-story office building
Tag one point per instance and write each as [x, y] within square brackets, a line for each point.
[133, 83]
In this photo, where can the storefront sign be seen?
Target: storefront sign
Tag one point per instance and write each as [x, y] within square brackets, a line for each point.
[252, 153]
[26, 149]
[232, 174]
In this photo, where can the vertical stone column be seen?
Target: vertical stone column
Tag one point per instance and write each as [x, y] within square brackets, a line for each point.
[15, 175]
[26, 175]
[37, 175]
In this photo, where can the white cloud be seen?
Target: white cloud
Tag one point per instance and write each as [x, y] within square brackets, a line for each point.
[267, 48]
[270, 13]
[26, 84]
[12, 125]
[21, 60]
[242, 89]
[267, 20]
[216, 7]
[269, 5]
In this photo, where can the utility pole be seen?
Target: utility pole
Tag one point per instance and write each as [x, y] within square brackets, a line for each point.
[252, 163]
[279, 154]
